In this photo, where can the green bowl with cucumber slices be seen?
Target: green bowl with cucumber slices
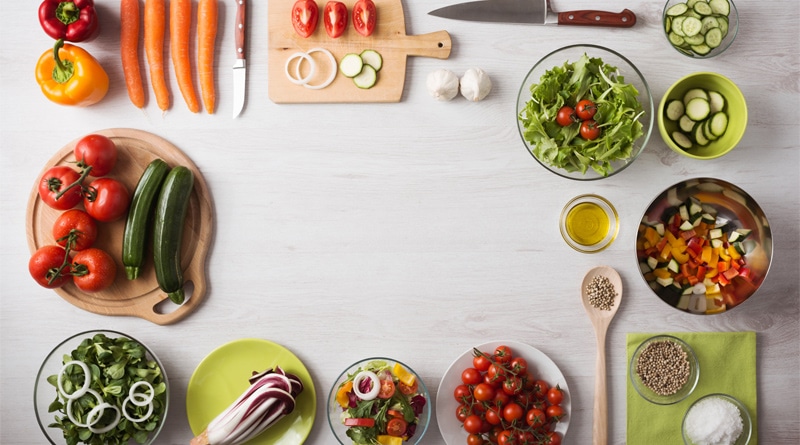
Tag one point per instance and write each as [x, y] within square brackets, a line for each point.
[700, 28]
[703, 115]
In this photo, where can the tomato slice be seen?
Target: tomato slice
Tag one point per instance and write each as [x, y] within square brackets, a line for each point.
[396, 427]
[305, 15]
[365, 16]
[335, 18]
[387, 389]
[359, 421]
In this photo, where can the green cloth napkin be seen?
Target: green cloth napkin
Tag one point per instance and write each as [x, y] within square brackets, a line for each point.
[727, 365]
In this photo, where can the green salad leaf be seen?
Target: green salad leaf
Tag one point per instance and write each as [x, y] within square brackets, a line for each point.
[618, 113]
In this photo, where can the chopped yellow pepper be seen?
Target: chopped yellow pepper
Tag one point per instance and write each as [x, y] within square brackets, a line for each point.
[403, 375]
[341, 395]
[385, 439]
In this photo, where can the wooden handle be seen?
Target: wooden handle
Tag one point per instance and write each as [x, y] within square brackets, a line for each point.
[624, 19]
[600, 419]
[435, 44]
[240, 28]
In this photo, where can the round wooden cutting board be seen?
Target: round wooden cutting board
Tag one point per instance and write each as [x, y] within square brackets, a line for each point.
[141, 297]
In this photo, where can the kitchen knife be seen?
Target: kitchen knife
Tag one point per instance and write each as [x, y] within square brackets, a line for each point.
[533, 12]
[239, 67]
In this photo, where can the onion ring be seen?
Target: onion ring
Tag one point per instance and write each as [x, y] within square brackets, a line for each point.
[298, 80]
[97, 412]
[69, 408]
[330, 78]
[141, 398]
[86, 379]
[374, 383]
[147, 415]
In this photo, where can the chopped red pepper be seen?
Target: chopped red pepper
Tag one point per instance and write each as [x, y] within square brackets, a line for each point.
[73, 21]
[359, 421]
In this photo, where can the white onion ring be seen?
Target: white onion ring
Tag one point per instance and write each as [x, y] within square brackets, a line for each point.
[330, 78]
[97, 412]
[376, 385]
[87, 379]
[130, 398]
[136, 397]
[297, 80]
[69, 408]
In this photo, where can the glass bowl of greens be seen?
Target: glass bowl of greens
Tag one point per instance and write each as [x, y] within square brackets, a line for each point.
[101, 386]
[379, 400]
[585, 112]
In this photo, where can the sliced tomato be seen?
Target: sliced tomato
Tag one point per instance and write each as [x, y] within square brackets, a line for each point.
[396, 427]
[305, 15]
[359, 421]
[335, 18]
[365, 15]
[387, 389]
[406, 389]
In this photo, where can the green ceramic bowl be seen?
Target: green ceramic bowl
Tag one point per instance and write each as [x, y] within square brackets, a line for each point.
[735, 108]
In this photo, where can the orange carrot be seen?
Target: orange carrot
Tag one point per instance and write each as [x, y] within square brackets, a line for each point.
[154, 28]
[206, 36]
[129, 50]
[180, 20]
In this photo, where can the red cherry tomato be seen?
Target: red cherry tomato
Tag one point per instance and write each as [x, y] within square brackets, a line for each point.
[76, 227]
[335, 18]
[106, 199]
[55, 180]
[365, 16]
[555, 412]
[473, 424]
[505, 437]
[585, 109]
[553, 438]
[512, 385]
[512, 411]
[305, 14]
[519, 365]
[555, 395]
[406, 389]
[535, 418]
[471, 376]
[387, 389]
[565, 116]
[474, 439]
[396, 427]
[503, 354]
[462, 412]
[93, 270]
[590, 130]
[540, 388]
[97, 152]
[483, 392]
[493, 416]
[481, 362]
[50, 266]
[462, 394]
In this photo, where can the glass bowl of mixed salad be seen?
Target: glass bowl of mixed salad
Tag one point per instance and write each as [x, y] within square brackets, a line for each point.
[379, 400]
[585, 112]
[101, 386]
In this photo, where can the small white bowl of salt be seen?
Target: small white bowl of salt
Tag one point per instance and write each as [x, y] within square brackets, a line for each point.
[717, 419]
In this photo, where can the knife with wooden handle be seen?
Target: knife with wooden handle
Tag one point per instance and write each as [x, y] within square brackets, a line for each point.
[533, 12]
[240, 66]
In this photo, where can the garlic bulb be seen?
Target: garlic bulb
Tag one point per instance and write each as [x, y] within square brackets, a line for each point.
[442, 84]
[475, 84]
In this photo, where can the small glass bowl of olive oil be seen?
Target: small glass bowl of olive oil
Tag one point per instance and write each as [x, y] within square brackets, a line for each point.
[589, 223]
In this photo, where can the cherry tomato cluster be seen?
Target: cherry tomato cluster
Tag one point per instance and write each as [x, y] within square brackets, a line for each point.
[72, 257]
[501, 402]
[583, 113]
[305, 15]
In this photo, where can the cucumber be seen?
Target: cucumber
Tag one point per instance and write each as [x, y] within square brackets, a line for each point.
[716, 101]
[366, 78]
[693, 93]
[139, 216]
[351, 65]
[372, 58]
[173, 202]
[698, 109]
[675, 109]
[719, 123]
[696, 27]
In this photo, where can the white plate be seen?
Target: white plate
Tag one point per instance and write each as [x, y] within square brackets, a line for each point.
[540, 365]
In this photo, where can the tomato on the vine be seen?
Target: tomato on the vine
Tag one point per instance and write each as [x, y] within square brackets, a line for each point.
[555, 412]
[365, 15]
[474, 439]
[483, 392]
[565, 116]
[75, 227]
[501, 399]
[97, 152]
[590, 130]
[493, 415]
[55, 181]
[503, 354]
[535, 418]
[462, 412]
[463, 394]
[512, 385]
[512, 411]
[553, 438]
[93, 270]
[471, 376]
[525, 437]
[106, 199]
[540, 388]
[473, 424]
[555, 395]
[50, 266]
[505, 437]
[496, 373]
[481, 363]
[585, 109]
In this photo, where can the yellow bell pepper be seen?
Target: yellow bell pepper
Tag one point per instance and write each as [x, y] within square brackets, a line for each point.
[68, 75]
[385, 439]
[341, 395]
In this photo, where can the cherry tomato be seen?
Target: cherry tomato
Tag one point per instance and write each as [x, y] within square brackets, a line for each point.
[565, 116]
[462, 412]
[474, 439]
[555, 412]
[553, 438]
[387, 389]
[503, 354]
[493, 416]
[512, 385]
[106, 199]
[585, 109]
[76, 227]
[93, 270]
[407, 390]
[473, 424]
[590, 130]
[519, 365]
[501, 398]
[481, 363]
[335, 18]
[463, 394]
[505, 437]
[535, 418]
[483, 392]
[525, 437]
[512, 411]
[396, 427]
[555, 395]
[525, 398]
[471, 376]
[48, 266]
[55, 180]
[496, 373]
[540, 388]
[97, 152]
[365, 16]
[305, 14]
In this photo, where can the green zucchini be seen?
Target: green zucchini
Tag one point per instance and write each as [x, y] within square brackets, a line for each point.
[133, 238]
[173, 202]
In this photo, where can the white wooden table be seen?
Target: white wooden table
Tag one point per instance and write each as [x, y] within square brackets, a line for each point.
[413, 230]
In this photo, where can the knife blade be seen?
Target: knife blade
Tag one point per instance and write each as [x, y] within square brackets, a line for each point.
[532, 12]
[240, 66]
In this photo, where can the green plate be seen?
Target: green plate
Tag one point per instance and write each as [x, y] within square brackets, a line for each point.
[223, 376]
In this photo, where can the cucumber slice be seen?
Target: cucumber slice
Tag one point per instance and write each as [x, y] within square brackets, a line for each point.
[723, 26]
[351, 65]
[702, 8]
[713, 38]
[366, 78]
[677, 10]
[696, 39]
[716, 101]
[701, 49]
[686, 123]
[698, 109]
[372, 58]
[675, 39]
[710, 22]
[675, 110]
[691, 26]
[677, 25]
[694, 92]
[721, 7]
[682, 140]
[719, 123]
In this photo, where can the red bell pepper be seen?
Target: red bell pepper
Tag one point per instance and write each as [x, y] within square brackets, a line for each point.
[73, 21]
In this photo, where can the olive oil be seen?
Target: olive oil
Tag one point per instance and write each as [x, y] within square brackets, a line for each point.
[587, 224]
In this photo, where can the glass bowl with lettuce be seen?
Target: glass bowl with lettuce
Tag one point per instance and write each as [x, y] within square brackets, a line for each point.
[584, 112]
[101, 387]
[379, 400]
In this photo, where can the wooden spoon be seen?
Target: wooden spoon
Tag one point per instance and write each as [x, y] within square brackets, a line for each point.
[600, 319]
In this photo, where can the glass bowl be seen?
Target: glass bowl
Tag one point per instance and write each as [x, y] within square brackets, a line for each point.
[663, 397]
[545, 149]
[715, 420]
[46, 394]
[589, 223]
[380, 365]
[709, 35]
[729, 209]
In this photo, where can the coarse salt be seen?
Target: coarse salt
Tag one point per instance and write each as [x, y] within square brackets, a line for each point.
[714, 421]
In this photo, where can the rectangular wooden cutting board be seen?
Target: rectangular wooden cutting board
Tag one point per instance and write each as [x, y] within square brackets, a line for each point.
[389, 39]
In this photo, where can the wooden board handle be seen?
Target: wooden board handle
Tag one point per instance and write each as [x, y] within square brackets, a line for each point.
[624, 19]
[435, 44]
